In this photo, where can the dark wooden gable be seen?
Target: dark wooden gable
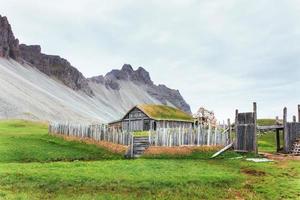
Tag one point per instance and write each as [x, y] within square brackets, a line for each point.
[135, 113]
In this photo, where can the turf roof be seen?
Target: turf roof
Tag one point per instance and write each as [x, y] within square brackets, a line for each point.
[162, 112]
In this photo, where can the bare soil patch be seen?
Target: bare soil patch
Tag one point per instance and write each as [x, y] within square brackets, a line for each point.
[112, 147]
[280, 156]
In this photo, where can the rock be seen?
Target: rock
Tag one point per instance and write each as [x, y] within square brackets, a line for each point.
[142, 77]
[165, 94]
[61, 70]
[55, 66]
[97, 79]
[9, 45]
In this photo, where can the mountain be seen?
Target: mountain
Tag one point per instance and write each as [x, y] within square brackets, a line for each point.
[35, 85]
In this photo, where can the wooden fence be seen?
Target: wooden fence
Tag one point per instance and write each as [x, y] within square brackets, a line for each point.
[161, 137]
[188, 136]
[97, 132]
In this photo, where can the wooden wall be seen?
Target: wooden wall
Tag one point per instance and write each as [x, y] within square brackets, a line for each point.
[136, 120]
[292, 132]
[246, 131]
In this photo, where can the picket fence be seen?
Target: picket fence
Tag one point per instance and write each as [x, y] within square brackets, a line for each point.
[161, 137]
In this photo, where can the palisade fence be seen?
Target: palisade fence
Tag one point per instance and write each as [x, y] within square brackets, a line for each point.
[161, 137]
[189, 136]
[97, 132]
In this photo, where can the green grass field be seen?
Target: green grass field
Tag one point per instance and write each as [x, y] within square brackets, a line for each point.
[34, 165]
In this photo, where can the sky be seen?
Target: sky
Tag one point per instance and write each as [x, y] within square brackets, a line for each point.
[219, 54]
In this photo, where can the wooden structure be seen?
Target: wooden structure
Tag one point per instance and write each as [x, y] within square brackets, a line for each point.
[291, 131]
[205, 117]
[246, 131]
[152, 117]
[246, 128]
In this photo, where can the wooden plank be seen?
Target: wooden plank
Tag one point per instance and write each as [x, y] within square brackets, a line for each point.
[270, 128]
[222, 150]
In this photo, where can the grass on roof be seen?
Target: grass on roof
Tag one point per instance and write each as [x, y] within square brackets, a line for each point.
[160, 112]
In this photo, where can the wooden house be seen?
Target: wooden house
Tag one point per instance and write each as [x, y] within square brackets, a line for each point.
[151, 117]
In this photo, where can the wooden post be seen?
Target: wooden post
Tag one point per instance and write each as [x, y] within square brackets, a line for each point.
[298, 113]
[255, 127]
[285, 146]
[277, 136]
[208, 135]
[294, 118]
[236, 126]
[229, 131]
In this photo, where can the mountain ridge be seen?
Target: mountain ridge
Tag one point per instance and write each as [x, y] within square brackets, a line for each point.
[115, 82]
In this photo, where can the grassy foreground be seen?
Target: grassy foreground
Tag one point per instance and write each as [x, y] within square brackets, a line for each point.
[80, 171]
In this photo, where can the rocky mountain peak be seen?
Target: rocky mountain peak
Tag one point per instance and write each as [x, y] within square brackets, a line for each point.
[60, 69]
[127, 73]
[55, 66]
[9, 45]
[127, 69]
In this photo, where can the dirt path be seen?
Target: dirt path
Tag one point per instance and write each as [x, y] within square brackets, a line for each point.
[279, 156]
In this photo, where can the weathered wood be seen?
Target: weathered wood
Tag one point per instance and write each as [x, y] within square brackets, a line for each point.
[285, 130]
[222, 150]
[255, 128]
[229, 130]
[236, 125]
[246, 131]
[187, 136]
[294, 118]
[277, 140]
[270, 128]
[292, 134]
[298, 113]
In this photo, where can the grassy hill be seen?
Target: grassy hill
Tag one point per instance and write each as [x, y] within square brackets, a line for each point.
[34, 165]
[24, 141]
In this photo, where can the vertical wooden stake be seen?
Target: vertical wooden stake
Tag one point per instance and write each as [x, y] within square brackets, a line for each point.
[229, 131]
[294, 118]
[255, 127]
[286, 148]
[298, 113]
[236, 128]
[277, 136]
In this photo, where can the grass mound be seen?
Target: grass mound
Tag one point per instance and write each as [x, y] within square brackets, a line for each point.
[24, 141]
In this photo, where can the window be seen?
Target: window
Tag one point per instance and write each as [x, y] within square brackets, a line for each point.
[146, 126]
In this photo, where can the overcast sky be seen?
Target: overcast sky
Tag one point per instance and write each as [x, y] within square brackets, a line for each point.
[221, 54]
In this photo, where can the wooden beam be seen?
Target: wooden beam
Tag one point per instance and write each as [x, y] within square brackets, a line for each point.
[270, 128]
[285, 144]
[255, 129]
[294, 118]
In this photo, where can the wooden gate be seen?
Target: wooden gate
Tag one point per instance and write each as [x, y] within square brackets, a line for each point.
[246, 139]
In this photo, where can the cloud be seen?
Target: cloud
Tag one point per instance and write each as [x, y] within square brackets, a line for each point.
[220, 54]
